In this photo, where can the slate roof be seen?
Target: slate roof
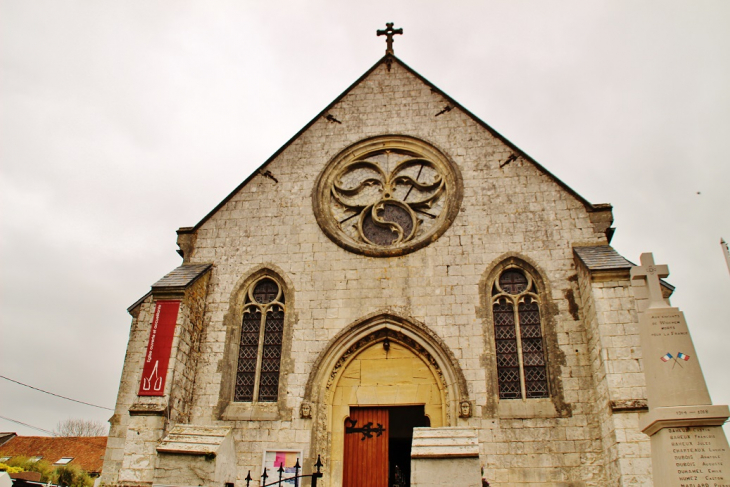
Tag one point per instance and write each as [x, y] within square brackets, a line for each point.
[177, 280]
[605, 258]
[181, 277]
[601, 257]
[87, 451]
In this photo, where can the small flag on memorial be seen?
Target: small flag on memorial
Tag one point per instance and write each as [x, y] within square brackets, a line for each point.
[667, 357]
[682, 356]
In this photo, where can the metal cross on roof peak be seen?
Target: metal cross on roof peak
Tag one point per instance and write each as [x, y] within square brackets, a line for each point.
[389, 31]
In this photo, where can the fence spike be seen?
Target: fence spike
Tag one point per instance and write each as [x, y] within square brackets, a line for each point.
[248, 479]
[319, 463]
[317, 475]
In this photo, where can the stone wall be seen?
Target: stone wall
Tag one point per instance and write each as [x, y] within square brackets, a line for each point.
[131, 372]
[516, 208]
[139, 423]
[609, 310]
[510, 208]
[190, 333]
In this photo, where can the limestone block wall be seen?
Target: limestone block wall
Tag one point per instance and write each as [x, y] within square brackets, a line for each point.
[187, 347]
[140, 455]
[128, 387]
[130, 456]
[510, 208]
[609, 311]
[515, 209]
[445, 471]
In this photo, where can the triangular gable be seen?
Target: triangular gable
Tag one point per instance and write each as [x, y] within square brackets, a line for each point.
[388, 59]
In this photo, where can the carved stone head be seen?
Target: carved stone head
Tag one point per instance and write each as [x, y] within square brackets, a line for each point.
[305, 411]
[465, 409]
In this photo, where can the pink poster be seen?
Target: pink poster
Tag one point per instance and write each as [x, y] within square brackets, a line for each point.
[286, 459]
[274, 459]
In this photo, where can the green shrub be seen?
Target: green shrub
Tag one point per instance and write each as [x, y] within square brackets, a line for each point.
[40, 466]
[66, 475]
[73, 476]
[7, 468]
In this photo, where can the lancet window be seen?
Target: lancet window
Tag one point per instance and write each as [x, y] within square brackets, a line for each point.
[259, 352]
[521, 365]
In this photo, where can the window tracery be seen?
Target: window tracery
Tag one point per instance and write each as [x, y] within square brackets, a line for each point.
[259, 352]
[387, 196]
[521, 364]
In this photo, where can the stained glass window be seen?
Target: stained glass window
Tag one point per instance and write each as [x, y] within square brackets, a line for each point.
[521, 366]
[259, 351]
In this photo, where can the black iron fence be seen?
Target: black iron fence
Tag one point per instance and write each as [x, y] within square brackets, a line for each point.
[295, 480]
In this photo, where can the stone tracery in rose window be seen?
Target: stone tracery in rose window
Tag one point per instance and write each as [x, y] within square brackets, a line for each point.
[389, 200]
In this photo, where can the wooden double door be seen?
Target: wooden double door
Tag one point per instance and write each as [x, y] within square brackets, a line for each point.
[377, 449]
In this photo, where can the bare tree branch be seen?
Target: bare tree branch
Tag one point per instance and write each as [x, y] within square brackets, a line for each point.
[80, 427]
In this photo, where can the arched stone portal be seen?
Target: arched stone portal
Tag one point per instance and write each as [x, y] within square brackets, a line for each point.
[356, 370]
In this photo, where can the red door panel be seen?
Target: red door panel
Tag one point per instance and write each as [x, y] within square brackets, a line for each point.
[366, 448]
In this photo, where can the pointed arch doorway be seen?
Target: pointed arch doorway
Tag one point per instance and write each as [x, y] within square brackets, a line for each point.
[387, 362]
[381, 395]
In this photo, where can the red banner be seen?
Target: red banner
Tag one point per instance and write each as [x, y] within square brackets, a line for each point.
[157, 357]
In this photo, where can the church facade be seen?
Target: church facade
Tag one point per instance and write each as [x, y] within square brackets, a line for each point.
[397, 265]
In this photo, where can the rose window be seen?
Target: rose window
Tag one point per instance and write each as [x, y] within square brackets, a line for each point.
[387, 196]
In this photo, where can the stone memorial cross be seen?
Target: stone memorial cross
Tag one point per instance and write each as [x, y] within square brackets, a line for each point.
[652, 273]
[688, 444]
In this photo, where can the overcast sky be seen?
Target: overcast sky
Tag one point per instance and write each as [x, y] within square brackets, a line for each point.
[122, 121]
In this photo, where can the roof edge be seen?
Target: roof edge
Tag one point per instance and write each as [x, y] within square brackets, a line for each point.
[613, 266]
[389, 58]
[160, 286]
[161, 289]
[281, 149]
[141, 300]
[589, 206]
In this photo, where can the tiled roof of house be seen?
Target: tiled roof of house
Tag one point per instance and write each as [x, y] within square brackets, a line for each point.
[87, 451]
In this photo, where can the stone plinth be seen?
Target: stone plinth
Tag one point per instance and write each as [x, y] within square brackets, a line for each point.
[688, 444]
[692, 456]
[196, 455]
[445, 456]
